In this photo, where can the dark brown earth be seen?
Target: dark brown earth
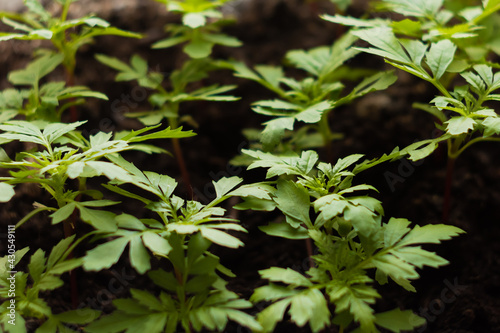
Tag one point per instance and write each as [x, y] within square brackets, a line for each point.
[462, 297]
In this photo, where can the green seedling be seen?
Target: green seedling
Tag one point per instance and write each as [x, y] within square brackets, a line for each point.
[193, 296]
[200, 29]
[41, 101]
[309, 100]
[463, 112]
[352, 240]
[67, 35]
[471, 28]
[43, 276]
[166, 101]
[58, 163]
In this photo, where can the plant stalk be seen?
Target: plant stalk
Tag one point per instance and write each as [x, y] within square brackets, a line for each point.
[70, 82]
[309, 248]
[326, 133]
[180, 157]
[450, 167]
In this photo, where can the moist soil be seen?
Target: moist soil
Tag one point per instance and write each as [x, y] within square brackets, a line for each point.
[461, 297]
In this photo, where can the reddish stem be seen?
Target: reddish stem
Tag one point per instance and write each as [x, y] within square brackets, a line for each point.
[68, 232]
[450, 167]
[309, 247]
[182, 167]
[70, 82]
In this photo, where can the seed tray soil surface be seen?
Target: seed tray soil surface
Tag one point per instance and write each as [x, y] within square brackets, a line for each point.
[462, 297]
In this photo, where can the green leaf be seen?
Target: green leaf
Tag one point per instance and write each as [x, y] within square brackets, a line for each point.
[459, 125]
[313, 113]
[310, 306]
[431, 233]
[6, 192]
[63, 213]
[221, 238]
[100, 219]
[285, 275]
[271, 292]
[293, 200]
[156, 243]
[76, 317]
[37, 265]
[169, 42]
[387, 45]
[492, 126]
[271, 315]
[440, 56]
[59, 250]
[285, 230]
[54, 131]
[198, 49]
[275, 130]
[194, 20]
[167, 133]
[394, 230]
[224, 185]
[139, 256]
[36, 70]
[397, 320]
[223, 39]
[113, 63]
[104, 255]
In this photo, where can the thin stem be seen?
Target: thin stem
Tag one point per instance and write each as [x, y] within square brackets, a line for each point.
[471, 142]
[31, 214]
[441, 88]
[64, 14]
[70, 82]
[179, 155]
[326, 133]
[450, 167]
[309, 247]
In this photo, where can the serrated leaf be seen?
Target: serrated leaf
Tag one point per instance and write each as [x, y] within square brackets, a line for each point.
[387, 44]
[57, 251]
[76, 317]
[440, 56]
[420, 257]
[224, 185]
[156, 243]
[271, 315]
[139, 256]
[459, 125]
[310, 306]
[285, 230]
[394, 230]
[293, 200]
[492, 126]
[66, 266]
[37, 265]
[431, 233]
[221, 238]
[100, 219]
[36, 70]
[397, 320]
[49, 282]
[275, 130]
[104, 255]
[313, 113]
[271, 292]
[285, 275]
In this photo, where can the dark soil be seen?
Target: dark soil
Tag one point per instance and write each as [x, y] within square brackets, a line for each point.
[462, 297]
